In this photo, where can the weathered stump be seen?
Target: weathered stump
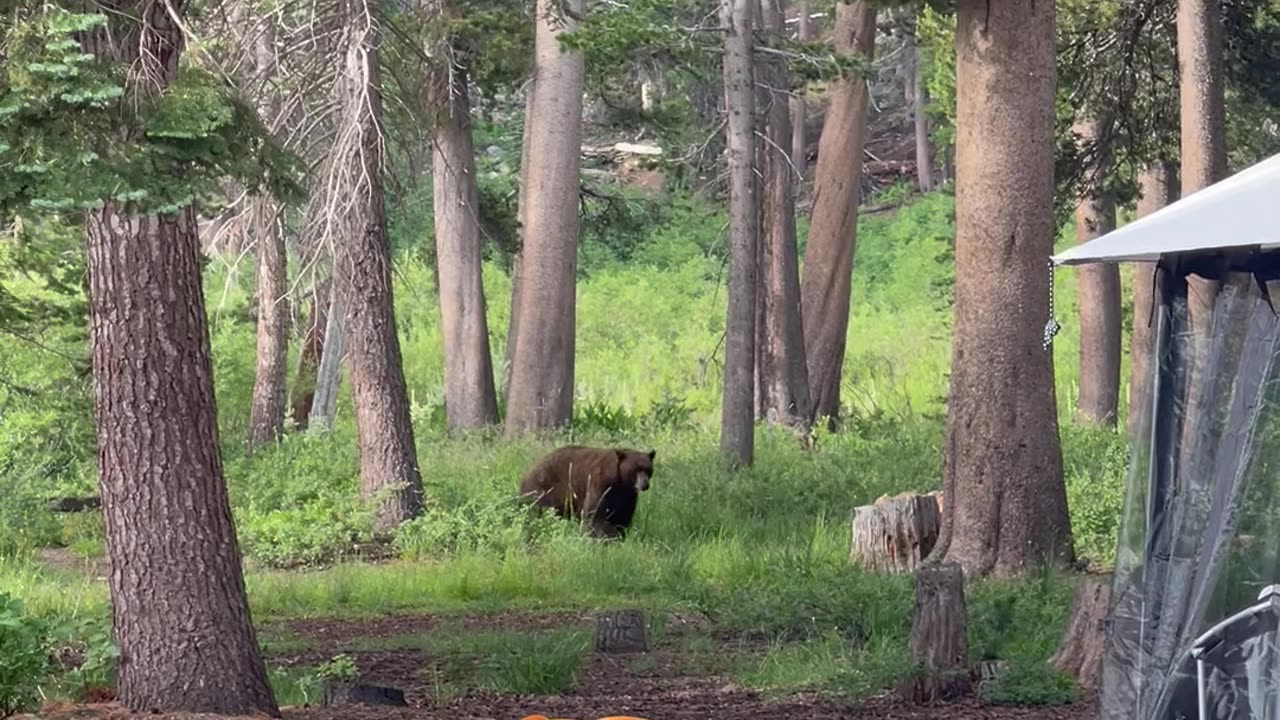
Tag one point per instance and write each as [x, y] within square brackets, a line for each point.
[1083, 642]
[896, 533]
[938, 636]
[339, 693]
[621, 631]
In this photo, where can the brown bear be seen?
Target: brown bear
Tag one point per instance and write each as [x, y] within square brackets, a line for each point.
[600, 484]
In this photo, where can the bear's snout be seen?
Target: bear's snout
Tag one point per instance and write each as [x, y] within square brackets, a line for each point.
[642, 481]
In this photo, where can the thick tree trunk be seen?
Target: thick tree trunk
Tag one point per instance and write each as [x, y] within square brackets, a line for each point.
[1006, 509]
[896, 534]
[938, 643]
[266, 413]
[1204, 162]
[541, 391]
[918, 97]
[1203, 115]
[388, 461]
[1099, 302]
[783, 377]
[470, 398]
[1158, 190]
[324, 404]
[304, 384]
[837, 192]
[799, 108]
[1080, 653]
[737, 426]
[179, 611]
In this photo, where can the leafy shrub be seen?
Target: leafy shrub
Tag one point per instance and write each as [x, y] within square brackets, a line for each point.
[1029, 683]
[24, 657]
[84, 654]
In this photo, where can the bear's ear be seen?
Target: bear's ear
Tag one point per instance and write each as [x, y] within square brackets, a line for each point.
[622, 455]
[652, 454]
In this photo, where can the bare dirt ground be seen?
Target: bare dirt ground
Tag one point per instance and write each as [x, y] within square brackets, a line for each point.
[663, 684]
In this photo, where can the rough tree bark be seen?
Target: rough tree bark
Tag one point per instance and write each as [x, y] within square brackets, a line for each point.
[304, 383]
[1158, 190]
[1083, 641]
[179, 613]
[783, 376]
[918, 98]
[799, 108]
[938, 643]
[470, 397]
[1006, 509]
[388, 462]
[541, 392]
[1099, 298]
[267, 408]
[737, 426]
[837, 192]
[1203, 121]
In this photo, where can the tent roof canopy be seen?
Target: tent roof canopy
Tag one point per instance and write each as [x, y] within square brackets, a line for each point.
[1241, 212]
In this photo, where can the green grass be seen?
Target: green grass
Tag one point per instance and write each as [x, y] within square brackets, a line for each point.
[762, 553]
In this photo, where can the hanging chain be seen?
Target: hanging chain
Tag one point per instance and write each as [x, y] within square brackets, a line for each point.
[1051, 327]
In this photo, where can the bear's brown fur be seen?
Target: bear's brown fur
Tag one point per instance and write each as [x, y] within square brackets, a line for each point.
[600, 484]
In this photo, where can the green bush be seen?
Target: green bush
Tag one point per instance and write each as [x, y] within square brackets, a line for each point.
[24, 657]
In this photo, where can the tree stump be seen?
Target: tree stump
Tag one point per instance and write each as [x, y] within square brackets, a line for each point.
[1080, 653]
[896, 533]
[339, 693]
[938, 636]
[621, 631]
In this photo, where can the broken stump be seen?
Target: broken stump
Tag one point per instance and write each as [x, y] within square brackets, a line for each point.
[1080, 653]
[337, 694]
[938, 645]
[621, 631]
[896, 533]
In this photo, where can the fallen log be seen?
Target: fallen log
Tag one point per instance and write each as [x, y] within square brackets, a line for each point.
[74, 504]
[896, 533]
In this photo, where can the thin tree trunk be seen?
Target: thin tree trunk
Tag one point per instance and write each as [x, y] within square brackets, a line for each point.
[541, 391]
[388, 461]
[1006, 509]
[180, 616]
[179, 613]
[266, 413]
[799, 108]
[267, 408]
[918, 97]
[470, 398]
[1203, 113]
[305, 379]
[1158, 190]
[737, 438]
[522, 206]
[1099, 300]
[783, 377]
[837, 192]
[324, 403]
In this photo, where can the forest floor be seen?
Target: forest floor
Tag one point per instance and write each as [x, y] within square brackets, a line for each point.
[680, 678]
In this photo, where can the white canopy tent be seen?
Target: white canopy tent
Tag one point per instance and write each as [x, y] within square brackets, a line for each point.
[1242, 211]
[1193, 630]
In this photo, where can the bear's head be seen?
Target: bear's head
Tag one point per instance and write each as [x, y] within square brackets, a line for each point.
[636, 468]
